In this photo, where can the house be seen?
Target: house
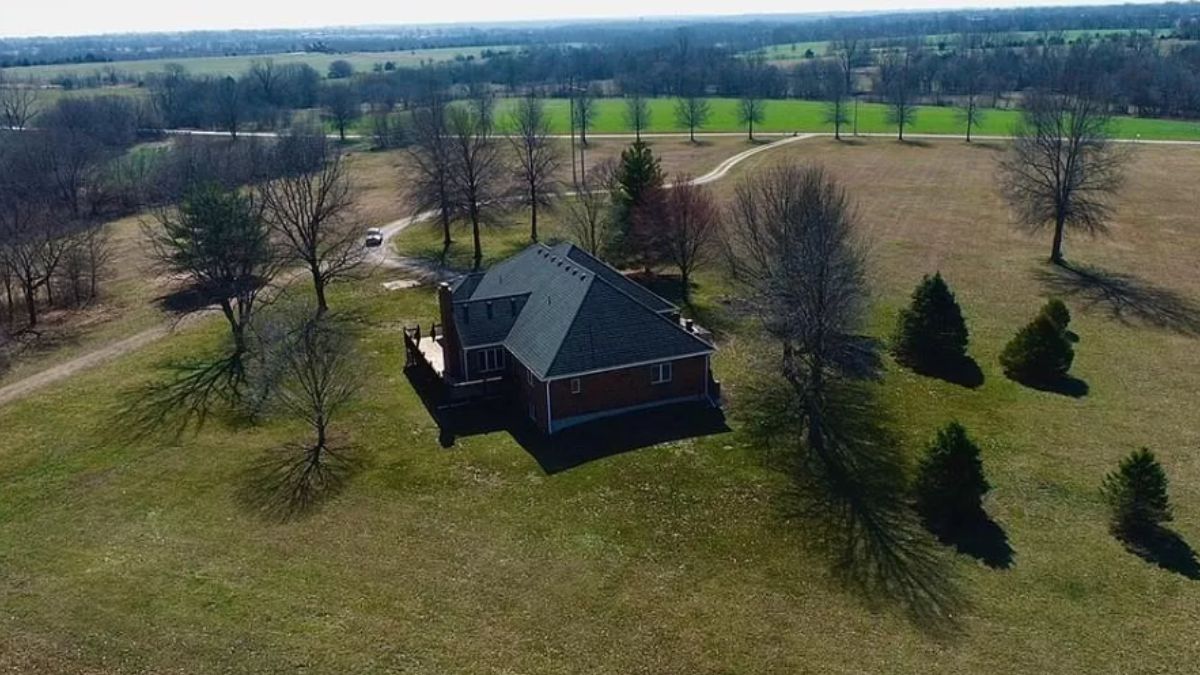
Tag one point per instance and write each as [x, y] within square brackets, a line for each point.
[566, 337]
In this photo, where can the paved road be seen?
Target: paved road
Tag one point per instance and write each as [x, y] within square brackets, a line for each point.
[383, 256]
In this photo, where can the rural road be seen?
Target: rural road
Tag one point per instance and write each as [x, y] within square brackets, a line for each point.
[383, 256]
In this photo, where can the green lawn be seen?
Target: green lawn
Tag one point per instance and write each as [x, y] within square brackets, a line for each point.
[236, 65]
[142, 556]
[786, 116]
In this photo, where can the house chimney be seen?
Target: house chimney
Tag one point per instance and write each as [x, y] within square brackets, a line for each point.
[690, 325]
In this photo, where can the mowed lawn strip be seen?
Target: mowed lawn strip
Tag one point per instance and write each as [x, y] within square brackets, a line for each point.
[123, 556]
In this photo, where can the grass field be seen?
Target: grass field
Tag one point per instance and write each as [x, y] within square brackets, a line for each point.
[786, 116]
[120, 556]
[236, 65]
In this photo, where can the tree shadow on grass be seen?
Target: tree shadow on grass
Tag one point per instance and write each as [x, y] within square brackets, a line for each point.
[1166, 549]
[851, 502]
[293, 481]
[964, 372]
[1064, 386]
[1123, 296]
[979, 537]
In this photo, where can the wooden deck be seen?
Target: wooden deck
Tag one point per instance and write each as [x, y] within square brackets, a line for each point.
[431, 351]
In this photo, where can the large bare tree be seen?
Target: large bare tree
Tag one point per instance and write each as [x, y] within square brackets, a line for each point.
[432, 155]
[477, 172]
[1063, 169]
[311, 371]
[795, 251]
[690, 227]
[834, 88]
[537, 157]
[310, 209]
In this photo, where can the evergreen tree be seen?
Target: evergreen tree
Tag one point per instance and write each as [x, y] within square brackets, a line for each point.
[1137, 494]
[931, 332]
[1057, 311]
[1040, 353]
[950, 483]
[637, 201]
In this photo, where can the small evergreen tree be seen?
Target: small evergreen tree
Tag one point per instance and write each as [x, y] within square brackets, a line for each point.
[1039, 353]
[950, 483]
[639, 182]
[931, 332]
[1057, 311]
[1137, 494]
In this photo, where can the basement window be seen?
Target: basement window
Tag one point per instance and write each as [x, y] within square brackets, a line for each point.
[660, 373]
[575, 385]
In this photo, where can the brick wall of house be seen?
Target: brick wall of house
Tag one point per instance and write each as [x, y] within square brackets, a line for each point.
[615, 389]
[529, 392]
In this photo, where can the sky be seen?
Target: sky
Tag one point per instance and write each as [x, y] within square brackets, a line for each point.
[87, 17]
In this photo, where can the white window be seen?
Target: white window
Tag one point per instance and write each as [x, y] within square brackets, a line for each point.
[660, 373]
[491, 359]
[575, 385]
[529, 377]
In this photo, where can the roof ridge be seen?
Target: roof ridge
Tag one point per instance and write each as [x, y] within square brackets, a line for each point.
[671, 305]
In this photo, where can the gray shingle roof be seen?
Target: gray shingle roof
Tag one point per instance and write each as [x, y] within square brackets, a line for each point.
[561, 311]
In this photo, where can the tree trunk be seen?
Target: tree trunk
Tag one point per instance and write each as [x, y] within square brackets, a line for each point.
[31, 306]
[1056, 256]
[533, 214]
[319, 289]
[478, 245]
[446, 241]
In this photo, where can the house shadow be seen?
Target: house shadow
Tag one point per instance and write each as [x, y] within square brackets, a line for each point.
[980, 537]
[1166, 549]
[1124, 297]
[576, 445]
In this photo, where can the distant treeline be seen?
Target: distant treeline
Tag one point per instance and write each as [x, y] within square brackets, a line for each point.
[734, 33]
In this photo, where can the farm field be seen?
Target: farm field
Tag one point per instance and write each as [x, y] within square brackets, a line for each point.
[136, 556]
[792, 115]
[795, 51]
[236, 65]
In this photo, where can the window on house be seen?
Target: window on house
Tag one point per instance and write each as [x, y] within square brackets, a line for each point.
[466, 315]
[489, 310]
[660, 373]
[491, 359]
[576, 387]
[529, 377]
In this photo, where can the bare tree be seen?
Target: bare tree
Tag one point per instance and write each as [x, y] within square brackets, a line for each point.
[584, 106]
[970, 112]
[692, 111]
[590, 213]
[1063, 169]
[833, 86]
[637, 112]
[896, 83]
[228, 105]
[476, 172]
[18, 103]
[310, 209]
[265, 79]
[342, 104]
[312, 371]
[537, 157]
[794, 249]
[432, 155]
[690, 227]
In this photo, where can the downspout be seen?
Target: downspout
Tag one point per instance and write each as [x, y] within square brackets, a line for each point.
[549, 415]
